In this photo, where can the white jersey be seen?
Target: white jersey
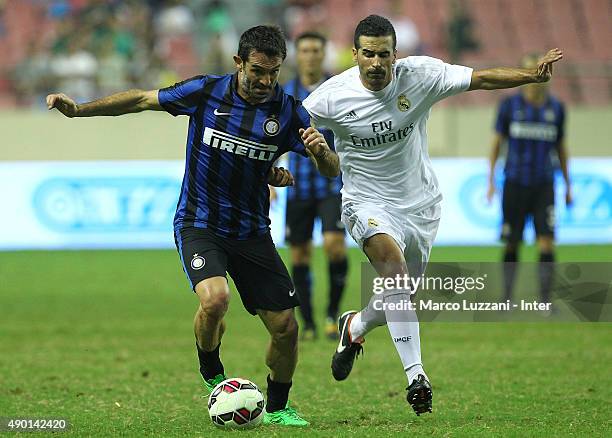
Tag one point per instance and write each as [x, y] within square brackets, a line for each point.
[381, 136]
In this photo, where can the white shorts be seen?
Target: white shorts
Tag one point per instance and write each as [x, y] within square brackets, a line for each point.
[414, 231]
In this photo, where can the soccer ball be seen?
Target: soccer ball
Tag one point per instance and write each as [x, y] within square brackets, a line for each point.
[236, 403]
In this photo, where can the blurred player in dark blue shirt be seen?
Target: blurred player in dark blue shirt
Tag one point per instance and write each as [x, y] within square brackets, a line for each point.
[532, 123]
[239, 124]
[314, 195]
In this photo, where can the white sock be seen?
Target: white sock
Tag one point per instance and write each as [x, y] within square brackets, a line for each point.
[368, 318]
[414, 371]
[403, 327]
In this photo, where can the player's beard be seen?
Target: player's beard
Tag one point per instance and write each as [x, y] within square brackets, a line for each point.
[254, 93]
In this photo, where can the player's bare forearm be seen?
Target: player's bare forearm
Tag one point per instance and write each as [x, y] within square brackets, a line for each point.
[563, 159]
[318, 150]
[492, 160]
[509, 77]
[563, 163]
[131, 101]
[494, 156]
[328, 163]
[126, 102]
[502, 77]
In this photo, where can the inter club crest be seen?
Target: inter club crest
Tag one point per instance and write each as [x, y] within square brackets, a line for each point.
[271, 126]
[197, 262]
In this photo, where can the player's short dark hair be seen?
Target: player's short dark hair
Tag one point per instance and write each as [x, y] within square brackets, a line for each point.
[310, 35]
[374, 26]
[268, 40]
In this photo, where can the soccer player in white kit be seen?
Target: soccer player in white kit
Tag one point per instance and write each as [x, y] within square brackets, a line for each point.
[378, 112]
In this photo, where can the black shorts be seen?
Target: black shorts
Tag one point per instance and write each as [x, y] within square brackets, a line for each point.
[301, 215]
[259, 274]
[520, 202]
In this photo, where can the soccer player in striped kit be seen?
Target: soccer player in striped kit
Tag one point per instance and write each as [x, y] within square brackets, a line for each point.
[532, 124]
[239, 124]
[314, 195]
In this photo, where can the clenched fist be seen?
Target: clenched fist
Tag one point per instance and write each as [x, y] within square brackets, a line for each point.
[280, 177]
[63, 103]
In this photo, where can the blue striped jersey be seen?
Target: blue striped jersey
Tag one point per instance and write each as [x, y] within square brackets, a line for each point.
[533, 132]
[231, 146]
[309, 183]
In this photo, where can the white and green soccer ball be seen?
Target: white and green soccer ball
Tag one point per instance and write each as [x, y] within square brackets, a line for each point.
[236, 403]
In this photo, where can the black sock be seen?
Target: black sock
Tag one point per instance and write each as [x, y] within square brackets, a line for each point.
[278, 394]
[303, 282]
[210, 363]
[337, 281]
[546, 269]
[510, 260]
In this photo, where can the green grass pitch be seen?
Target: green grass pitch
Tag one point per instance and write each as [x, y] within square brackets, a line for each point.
[104, 339]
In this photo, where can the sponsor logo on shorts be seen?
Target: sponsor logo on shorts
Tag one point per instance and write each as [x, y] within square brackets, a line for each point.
[402, 339]
[197, 262]
[292, 292]
[372, 223]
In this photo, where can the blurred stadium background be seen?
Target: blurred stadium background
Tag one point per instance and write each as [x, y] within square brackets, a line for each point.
[103, 337]
[90, 48]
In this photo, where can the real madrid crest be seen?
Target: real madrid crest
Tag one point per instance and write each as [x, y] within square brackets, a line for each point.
[403, 104]
[271, 126]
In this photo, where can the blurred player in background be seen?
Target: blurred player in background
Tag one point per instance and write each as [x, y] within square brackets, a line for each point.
[532, 124]
[239, 124]
[378, 111]
[312, 196]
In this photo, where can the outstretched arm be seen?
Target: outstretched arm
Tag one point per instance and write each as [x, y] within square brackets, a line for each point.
[497, 141]
[563, 159]
[508, 77]
[132, 101]
[318, 150]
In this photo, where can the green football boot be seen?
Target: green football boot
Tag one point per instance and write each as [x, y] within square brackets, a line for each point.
[285, 417]
[211, 383]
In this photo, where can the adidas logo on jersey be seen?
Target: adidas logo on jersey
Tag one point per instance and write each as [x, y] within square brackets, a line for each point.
[352, 115]
[239, 146]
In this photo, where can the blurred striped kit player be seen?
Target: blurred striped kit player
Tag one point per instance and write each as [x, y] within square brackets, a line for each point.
[314, 196]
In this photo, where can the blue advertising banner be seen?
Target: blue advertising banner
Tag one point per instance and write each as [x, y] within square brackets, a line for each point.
[130, 204]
